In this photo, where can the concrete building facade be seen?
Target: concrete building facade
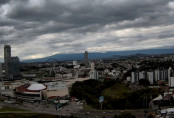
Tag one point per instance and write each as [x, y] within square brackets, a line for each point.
[7, 59]
[171, 77]
[134, 77]
[86, 59]
[150, 77]
[94, 75]
[15, 67]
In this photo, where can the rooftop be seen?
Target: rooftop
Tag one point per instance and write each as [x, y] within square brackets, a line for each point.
[30, 88]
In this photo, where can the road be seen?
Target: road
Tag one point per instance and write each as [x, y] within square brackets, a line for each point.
[73, 109]
[109, 113]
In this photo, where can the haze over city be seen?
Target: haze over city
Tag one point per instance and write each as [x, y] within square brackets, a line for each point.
[40, 28]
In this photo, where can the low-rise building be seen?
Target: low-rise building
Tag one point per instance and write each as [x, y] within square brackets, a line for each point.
[34, 92]
[57, 89]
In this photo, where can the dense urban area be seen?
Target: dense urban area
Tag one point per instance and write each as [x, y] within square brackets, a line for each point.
[133, 86]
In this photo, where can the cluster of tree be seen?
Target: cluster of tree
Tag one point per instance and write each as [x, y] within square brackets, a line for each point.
[154, 64]
[144, 82]
[127, 74]
[135, 100]
[68, 66]
[90, 91]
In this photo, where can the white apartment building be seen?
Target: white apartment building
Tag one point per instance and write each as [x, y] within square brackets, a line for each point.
[171, 77]
[93, 75]
[150, 77]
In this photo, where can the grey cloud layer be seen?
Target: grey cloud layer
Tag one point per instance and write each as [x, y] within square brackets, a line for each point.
[38, 28]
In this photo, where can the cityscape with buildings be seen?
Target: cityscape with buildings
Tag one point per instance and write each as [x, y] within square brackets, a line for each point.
[52, 87]
[86, 58]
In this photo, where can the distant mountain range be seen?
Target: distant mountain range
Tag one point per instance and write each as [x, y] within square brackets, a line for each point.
[99, 55]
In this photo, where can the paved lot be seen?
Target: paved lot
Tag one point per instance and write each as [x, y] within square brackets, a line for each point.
[71, 108]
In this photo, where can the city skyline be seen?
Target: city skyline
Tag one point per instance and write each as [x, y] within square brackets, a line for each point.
[40, 28]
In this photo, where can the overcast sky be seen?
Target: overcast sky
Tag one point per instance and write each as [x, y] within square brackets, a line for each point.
[39, 28]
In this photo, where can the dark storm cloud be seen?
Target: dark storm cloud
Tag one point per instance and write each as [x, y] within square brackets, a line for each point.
[4, 2]
[85, 12]
[66, 26]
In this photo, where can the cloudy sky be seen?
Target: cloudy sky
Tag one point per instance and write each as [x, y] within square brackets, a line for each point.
[39, 28]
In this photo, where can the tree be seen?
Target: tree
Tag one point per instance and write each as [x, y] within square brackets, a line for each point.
[144, 82]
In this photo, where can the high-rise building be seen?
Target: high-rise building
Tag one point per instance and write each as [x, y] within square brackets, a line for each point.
[92, 66]
[171, 77]
[7, 58]
[15, 66]
[135, 77]
[86, 59]
[93, 75]
[150, 77]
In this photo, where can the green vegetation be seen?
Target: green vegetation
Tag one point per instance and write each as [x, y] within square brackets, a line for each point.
[90, 90]
[144, 82]
[117, 91]
[87, 107]
[154, 64]
[125, 99]
[27, 115]
[6, 108]
[116, 95]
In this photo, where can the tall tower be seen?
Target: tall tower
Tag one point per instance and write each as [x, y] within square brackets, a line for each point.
[86, 58]
[7, 59]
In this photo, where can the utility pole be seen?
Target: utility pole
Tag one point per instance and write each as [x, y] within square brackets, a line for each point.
[145, 104]
[101, 105]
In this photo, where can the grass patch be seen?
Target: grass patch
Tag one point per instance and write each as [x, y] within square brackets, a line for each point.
[117, 91]
[6, 108]
[26, 115]
[88, 107]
